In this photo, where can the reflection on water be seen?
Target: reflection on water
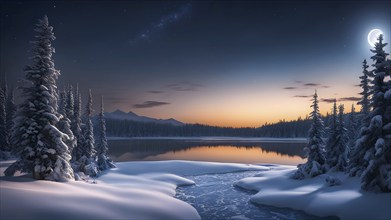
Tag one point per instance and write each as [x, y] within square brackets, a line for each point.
[201, 150]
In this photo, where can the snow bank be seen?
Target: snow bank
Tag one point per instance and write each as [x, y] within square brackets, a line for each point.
[315, 196]
[134, 190]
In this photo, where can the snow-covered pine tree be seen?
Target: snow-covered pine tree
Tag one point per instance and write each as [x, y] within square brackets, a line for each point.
[352, 130]
[372, 158]
[76, 126]
[70, 103]
[103, 160]
[340, 150]
[316, 161]
[62, 104]
[37, 141]
[365, 95]
[331, 141]
[89, 141]
[86, 163]
[3, 127]
[64, 123]
[10, 109]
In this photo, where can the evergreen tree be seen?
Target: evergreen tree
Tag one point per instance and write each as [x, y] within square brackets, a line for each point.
[64, 123]
[10, 109]
[332, 137]
[86, 163]
[3, 135]
[352, 130]
[103, 161]
[339, 159]
[70, 104]
[62, 103]
[316, 161]
[37, 140]
[372, 157]
[89, 141]
[76, 126]
[364, 102]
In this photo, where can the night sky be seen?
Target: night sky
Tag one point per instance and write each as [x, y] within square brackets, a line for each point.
[214, 62]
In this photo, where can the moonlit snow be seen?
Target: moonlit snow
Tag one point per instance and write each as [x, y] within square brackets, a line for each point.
[140, 190]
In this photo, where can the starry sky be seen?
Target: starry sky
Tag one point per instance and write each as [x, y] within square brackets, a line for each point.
[228, 63]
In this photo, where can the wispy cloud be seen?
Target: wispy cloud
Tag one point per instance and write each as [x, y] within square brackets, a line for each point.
[302, 96]
[328, 100]
[290, 88]
[155, 91]
[185, 86]
[355, 99]
[305, 85]
[311, 84]
[343, 99]
[150, 104]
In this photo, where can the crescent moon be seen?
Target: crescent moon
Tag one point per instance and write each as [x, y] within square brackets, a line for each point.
[373, 35]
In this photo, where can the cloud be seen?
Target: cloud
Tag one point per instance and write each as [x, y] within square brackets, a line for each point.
[302, 96]
[330, 100]
[290, 87]
[185, 86]
[150, 104]
[311, 84]
[305, 85]
[155, 91]
[355, 99]
[343, 99]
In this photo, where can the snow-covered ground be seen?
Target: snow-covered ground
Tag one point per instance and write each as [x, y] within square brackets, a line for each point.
[316, 197]
[134, 190]
[140, 190]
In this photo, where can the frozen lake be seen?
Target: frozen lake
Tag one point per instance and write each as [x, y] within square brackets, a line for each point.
[239, 150]
[215, 197]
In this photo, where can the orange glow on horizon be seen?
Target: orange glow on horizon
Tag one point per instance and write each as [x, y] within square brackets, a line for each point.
[230, 153]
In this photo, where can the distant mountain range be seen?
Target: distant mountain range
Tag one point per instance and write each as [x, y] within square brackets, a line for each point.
[131, 116]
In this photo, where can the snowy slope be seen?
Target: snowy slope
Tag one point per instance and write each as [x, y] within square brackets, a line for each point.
[134, 190]
[314, 196]
[120, 115]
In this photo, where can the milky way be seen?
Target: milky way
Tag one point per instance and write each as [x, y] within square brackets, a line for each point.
[162, 23]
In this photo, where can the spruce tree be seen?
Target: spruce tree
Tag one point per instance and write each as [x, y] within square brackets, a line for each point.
[352, 130]
[316, 161]
[372, 157]
[36, 139]
[103, 161]
[339, 152]
[3, 127]
[70, 104]
[10, 109]
[76, 126]
[365, 94]
[89, 141]
[86, 163]
[332, 137]
[64, 123]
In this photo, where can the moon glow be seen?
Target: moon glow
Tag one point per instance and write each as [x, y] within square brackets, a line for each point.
[373, 35]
